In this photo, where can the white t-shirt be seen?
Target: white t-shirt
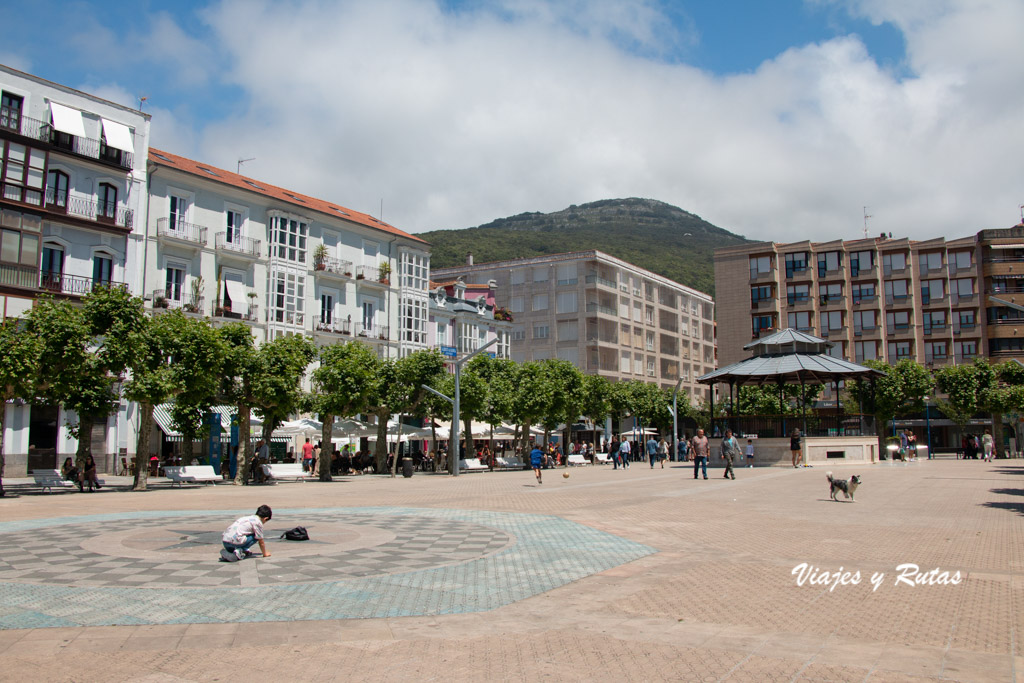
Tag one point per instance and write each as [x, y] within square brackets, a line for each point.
[242, 527]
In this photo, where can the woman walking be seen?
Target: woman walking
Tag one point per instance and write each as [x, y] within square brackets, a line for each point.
[795, 447]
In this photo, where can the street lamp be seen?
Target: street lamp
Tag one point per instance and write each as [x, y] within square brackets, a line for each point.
[928, 424]
[454, 436]
[675, 420]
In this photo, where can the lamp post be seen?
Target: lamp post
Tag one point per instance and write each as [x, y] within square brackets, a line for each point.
[454, 436]
[928, 424]
[675, 420]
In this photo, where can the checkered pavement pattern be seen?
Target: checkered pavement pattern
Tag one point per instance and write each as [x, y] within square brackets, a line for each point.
[438, 562]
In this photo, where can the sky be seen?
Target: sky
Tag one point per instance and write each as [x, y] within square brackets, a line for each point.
[777, 121]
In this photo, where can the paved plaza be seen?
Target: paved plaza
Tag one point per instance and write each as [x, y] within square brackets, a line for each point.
[604, 576]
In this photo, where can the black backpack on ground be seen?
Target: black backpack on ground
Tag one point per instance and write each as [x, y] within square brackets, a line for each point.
[296, 534]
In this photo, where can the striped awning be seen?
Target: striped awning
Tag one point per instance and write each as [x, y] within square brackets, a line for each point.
[163, 419]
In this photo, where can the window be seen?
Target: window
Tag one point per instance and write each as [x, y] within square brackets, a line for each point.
[369, 315]
[326, 308]
[649, 315]
[960, 260]
[567, 302]
[624, 308]
[10, 111]
[831, 321]
[935, 351]
[800, 320]
[966, 320]
[540, 274]
[442, 333]
[516, 304]
[796, 294]
[234, 224]
[760, 266]
[964, 287]
[568, 330]
[863, 320]
[897, 320]
[53, 260]
[829, 261]
[19, 248]
[759, 294]
[57, 183]
[967, 349]
[865, 351]
[571, 354]
[287, 298]
[861, 261]
[414, 270]
[503, 346]
[894, 262]
[899, 350]
[468, 338]
[178, 213]
[288, 239]
[838, 350]
[796, 263]
[567, 275]
[102, 269]
[930, 262]
[649, 341]
[107, 208]
[174, 284]
[638, 364]
[540, 302]
[518, 333]
[518, 277]
[761, 323]
[541, 331]
[864, 291]
[638, 311]
[23, 170]
[895, 290]
[830, 293]
[414, 320]
[932, 290]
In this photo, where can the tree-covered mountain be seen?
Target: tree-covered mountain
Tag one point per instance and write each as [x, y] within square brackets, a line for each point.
[654, 235]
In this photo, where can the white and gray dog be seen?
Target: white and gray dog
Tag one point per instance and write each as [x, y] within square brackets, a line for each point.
[847, 487]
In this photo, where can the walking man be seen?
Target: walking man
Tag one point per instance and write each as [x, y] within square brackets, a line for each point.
[699, 453]
[652, 450]
[730, 451]
[624, 451]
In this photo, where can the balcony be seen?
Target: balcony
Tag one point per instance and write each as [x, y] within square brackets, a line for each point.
[249, 312]
[238, 246]
[335, 268]
[339, 327]
[859, 299]
[967, 328]
[74, 285]
[929, 300]
[756, 304]
[899, 330]
[834, 332]
[26, 277]
[78, 206]
[604, 282]
[861, 331]
[373, 275]
[186, 302]
[897, 299]
[763, 275]
[372, 332]
[957, 298]
[936, 328]
[798, 300]
[180, 232]
[92, 149]
[832, 299]
[857, 272]
[594, 307]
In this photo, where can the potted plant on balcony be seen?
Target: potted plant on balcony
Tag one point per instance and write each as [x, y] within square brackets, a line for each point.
[192, 306]
[502, 314]
[159, 301]
[252, 305]
[385, 273]
[320, 257]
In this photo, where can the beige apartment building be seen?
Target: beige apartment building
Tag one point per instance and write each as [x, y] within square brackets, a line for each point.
[936, 301]
[606, 316]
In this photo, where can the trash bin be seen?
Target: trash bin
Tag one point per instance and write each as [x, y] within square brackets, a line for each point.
[406, 467]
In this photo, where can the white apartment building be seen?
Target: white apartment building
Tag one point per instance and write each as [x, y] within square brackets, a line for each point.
[74, 189]
[603, 314]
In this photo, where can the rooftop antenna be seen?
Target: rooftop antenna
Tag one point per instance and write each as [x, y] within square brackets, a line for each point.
[1022, 214]
[866, 217]
[142, 101]
[381, 219]
[238, 169]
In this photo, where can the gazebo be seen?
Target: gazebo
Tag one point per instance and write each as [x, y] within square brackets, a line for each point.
[790, 357]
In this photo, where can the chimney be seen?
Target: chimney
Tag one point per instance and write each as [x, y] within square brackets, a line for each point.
[469, 259]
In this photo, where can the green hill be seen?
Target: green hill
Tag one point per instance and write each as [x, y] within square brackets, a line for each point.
[654, 235]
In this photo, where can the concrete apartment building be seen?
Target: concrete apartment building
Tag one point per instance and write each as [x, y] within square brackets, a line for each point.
[935, 301]
[606, 316]
[74, 190]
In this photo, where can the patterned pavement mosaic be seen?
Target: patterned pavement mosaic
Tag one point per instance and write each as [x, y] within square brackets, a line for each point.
[162, 568]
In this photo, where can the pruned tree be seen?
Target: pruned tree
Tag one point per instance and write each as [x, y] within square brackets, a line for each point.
[902, 389]
[19, 363]
[341, 385]
[277, 381]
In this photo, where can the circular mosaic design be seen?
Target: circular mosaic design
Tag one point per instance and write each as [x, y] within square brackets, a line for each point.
[163, 568]
[182, 552]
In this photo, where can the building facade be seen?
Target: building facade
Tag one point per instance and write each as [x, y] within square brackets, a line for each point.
[604, 315]
[74, 192]
[935, 301]
[462, 319]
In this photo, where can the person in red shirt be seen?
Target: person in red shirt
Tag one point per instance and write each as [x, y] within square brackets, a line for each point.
[307, 455]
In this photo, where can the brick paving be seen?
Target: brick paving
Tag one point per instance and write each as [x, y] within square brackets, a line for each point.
[715, 601]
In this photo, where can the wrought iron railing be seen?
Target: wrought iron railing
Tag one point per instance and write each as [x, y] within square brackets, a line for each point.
[372, 331]
[60, 283]
[331, 264]
[334, 326]
[245, 246]
[180, 230]
[184, 301]
[782, 426]
[91, 148]
[88, 208]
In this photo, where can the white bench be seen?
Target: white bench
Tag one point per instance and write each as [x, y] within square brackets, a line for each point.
[509, 463]
[191, 474]
[602, 458]
[286, 470]
[472, 465]
[577, 459]
[51, 479]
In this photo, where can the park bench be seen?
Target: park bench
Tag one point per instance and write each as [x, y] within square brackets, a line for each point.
[51, 479]
[577, 459]
[602, 458]
[509, 463]
[472, 465]
[191, 474]
[286, 470]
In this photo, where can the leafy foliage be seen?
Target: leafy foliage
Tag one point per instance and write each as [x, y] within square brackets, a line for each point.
[651, 234]
[19, 358]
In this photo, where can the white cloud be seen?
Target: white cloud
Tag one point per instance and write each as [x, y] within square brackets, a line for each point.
[454, 118]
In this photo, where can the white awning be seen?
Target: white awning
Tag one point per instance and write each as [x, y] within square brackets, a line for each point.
[1007, 246]
[67, 120]
[235, 292]
[118, 135]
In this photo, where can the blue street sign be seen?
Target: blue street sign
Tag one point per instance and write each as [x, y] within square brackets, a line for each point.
[449, 351]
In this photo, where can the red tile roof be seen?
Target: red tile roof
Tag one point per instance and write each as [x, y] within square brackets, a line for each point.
[162, 158]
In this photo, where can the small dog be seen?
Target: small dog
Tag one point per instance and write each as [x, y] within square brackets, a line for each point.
[847, 487]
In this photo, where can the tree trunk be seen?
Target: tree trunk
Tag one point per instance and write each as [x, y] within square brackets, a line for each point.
[997, 434]
[84, 441]
[244, 456]
[142, 447]
[326, 447]
[3, 426]
[526, 441]
[380, 452]
[398, 448]
[187, 448]
[467, 434]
